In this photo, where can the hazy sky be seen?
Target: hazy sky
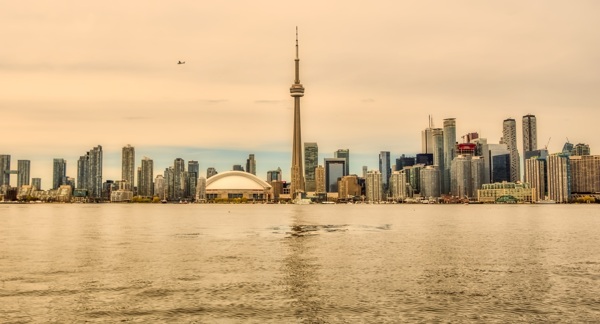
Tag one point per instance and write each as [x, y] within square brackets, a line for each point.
[75, 74]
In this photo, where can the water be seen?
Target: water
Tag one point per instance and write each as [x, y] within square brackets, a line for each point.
[299, 264]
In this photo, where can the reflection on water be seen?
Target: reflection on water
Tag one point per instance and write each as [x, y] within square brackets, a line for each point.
[301, 264]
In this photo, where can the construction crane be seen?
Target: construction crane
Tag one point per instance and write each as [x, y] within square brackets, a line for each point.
[546, 147]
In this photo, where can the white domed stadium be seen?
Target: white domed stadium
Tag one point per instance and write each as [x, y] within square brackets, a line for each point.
[237, 184]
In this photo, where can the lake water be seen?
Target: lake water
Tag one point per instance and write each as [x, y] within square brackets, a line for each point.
[299, 264]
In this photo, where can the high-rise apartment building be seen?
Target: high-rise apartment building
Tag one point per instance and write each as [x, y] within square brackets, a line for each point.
[509, 137]
[159, 187]
[335, 169]
[585, 173]
[274, 175]
[430, 182]
[399, 187]
[4, 170]
[535, 175]
[211, 172]
[449, 136]
[178, 179]
[529, 133]
[581, 149]
[251, 164]
[23, 172]
[374, 186]
[59, 173]
[193, 174]
[467, 175]
[169, 175]
[320, 179]
[89, 172]
[128, 166]
[311, 161]
[146, 187]
[385, 169]
[559, 178]
[437, 139]
[343, 154]
[348, 187]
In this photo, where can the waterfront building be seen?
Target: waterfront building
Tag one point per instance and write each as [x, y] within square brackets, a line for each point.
[251, 164]
[201, 190]
[320, 186]
[311, 160]
[4, 170]
[348, 187]
[343, 154]
[237, 185]
[477, 173]
[169, 175]
[89, 172]
[23, 172]
[585, 173]
[498, 162]
[128, 166]
[178, 179]
[160, 188]
[385, 169]
[146, 187]
[399, 186]
[535, 175]
[509, 137]
[274, 175]
[36, 183]
[335, 169]
[414, 177]
[374, 186]
[297, 91]
[467, 175]
[449, 136]
[505, 192]
[59, 173]
[430, 181]
[581, 149]
[529, 133]
[559, 178]
[193, 173]
[82, 173]
[483, 150]
[211, 172]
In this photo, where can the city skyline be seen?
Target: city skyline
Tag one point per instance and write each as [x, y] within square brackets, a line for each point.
[96, 84]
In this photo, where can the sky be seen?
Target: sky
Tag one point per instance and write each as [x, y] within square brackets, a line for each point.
[77, 74]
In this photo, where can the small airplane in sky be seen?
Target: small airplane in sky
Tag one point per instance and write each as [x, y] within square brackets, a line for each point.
[181, 62]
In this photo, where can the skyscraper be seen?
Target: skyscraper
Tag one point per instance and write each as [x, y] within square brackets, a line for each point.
[343, 154]
[89, 172]
[311, 161]
[385, 169]
[4, 169]
[559, 178]
[529, 133]
[374, 186]
[128, 165]
[210, 171]
[178, 179]
[430, 181]
[535, 175]
[23, 171]
[449, 135]
[509, 137]
[334, 170]
[59, 173]
[297, 91]
[251, 164]
[193, 175]
[146, 187]
[320, 179]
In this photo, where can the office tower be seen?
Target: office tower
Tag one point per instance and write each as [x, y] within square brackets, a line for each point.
[581, 149]
[437, 138]
[4, 170]
[559, 178]
[449, 135]
[178, 179]
[274, 175]
[128, 165]
[430, 182]
[374, 186]
[509, 137]
[59, 173]
[201, 189]
[498, 162]
[585, 173]
[37, 183]
[413, 177]
[311, 161]
[297, 91]
[343, 154]
[483, 149]
[424, 158]
[348, 187]
[529, 133]
[477, 174]
[169, 175]
[211, 172]
[320, 186]
[193, 174]
[23, 171]
[251, 164]
[404, 161]
[146, 187]
[535, 175]
[335, 169]
[159, 187]
[427, 140]
[237, 167]
[364, 171]
[385, 169]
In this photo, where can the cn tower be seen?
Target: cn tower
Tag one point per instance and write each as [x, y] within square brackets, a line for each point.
[297, 91]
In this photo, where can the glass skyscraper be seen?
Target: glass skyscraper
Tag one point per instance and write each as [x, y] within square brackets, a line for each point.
[59, 173]
[311, 161]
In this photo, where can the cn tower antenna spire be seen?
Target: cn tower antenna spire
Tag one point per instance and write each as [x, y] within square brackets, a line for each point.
[297, 91]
